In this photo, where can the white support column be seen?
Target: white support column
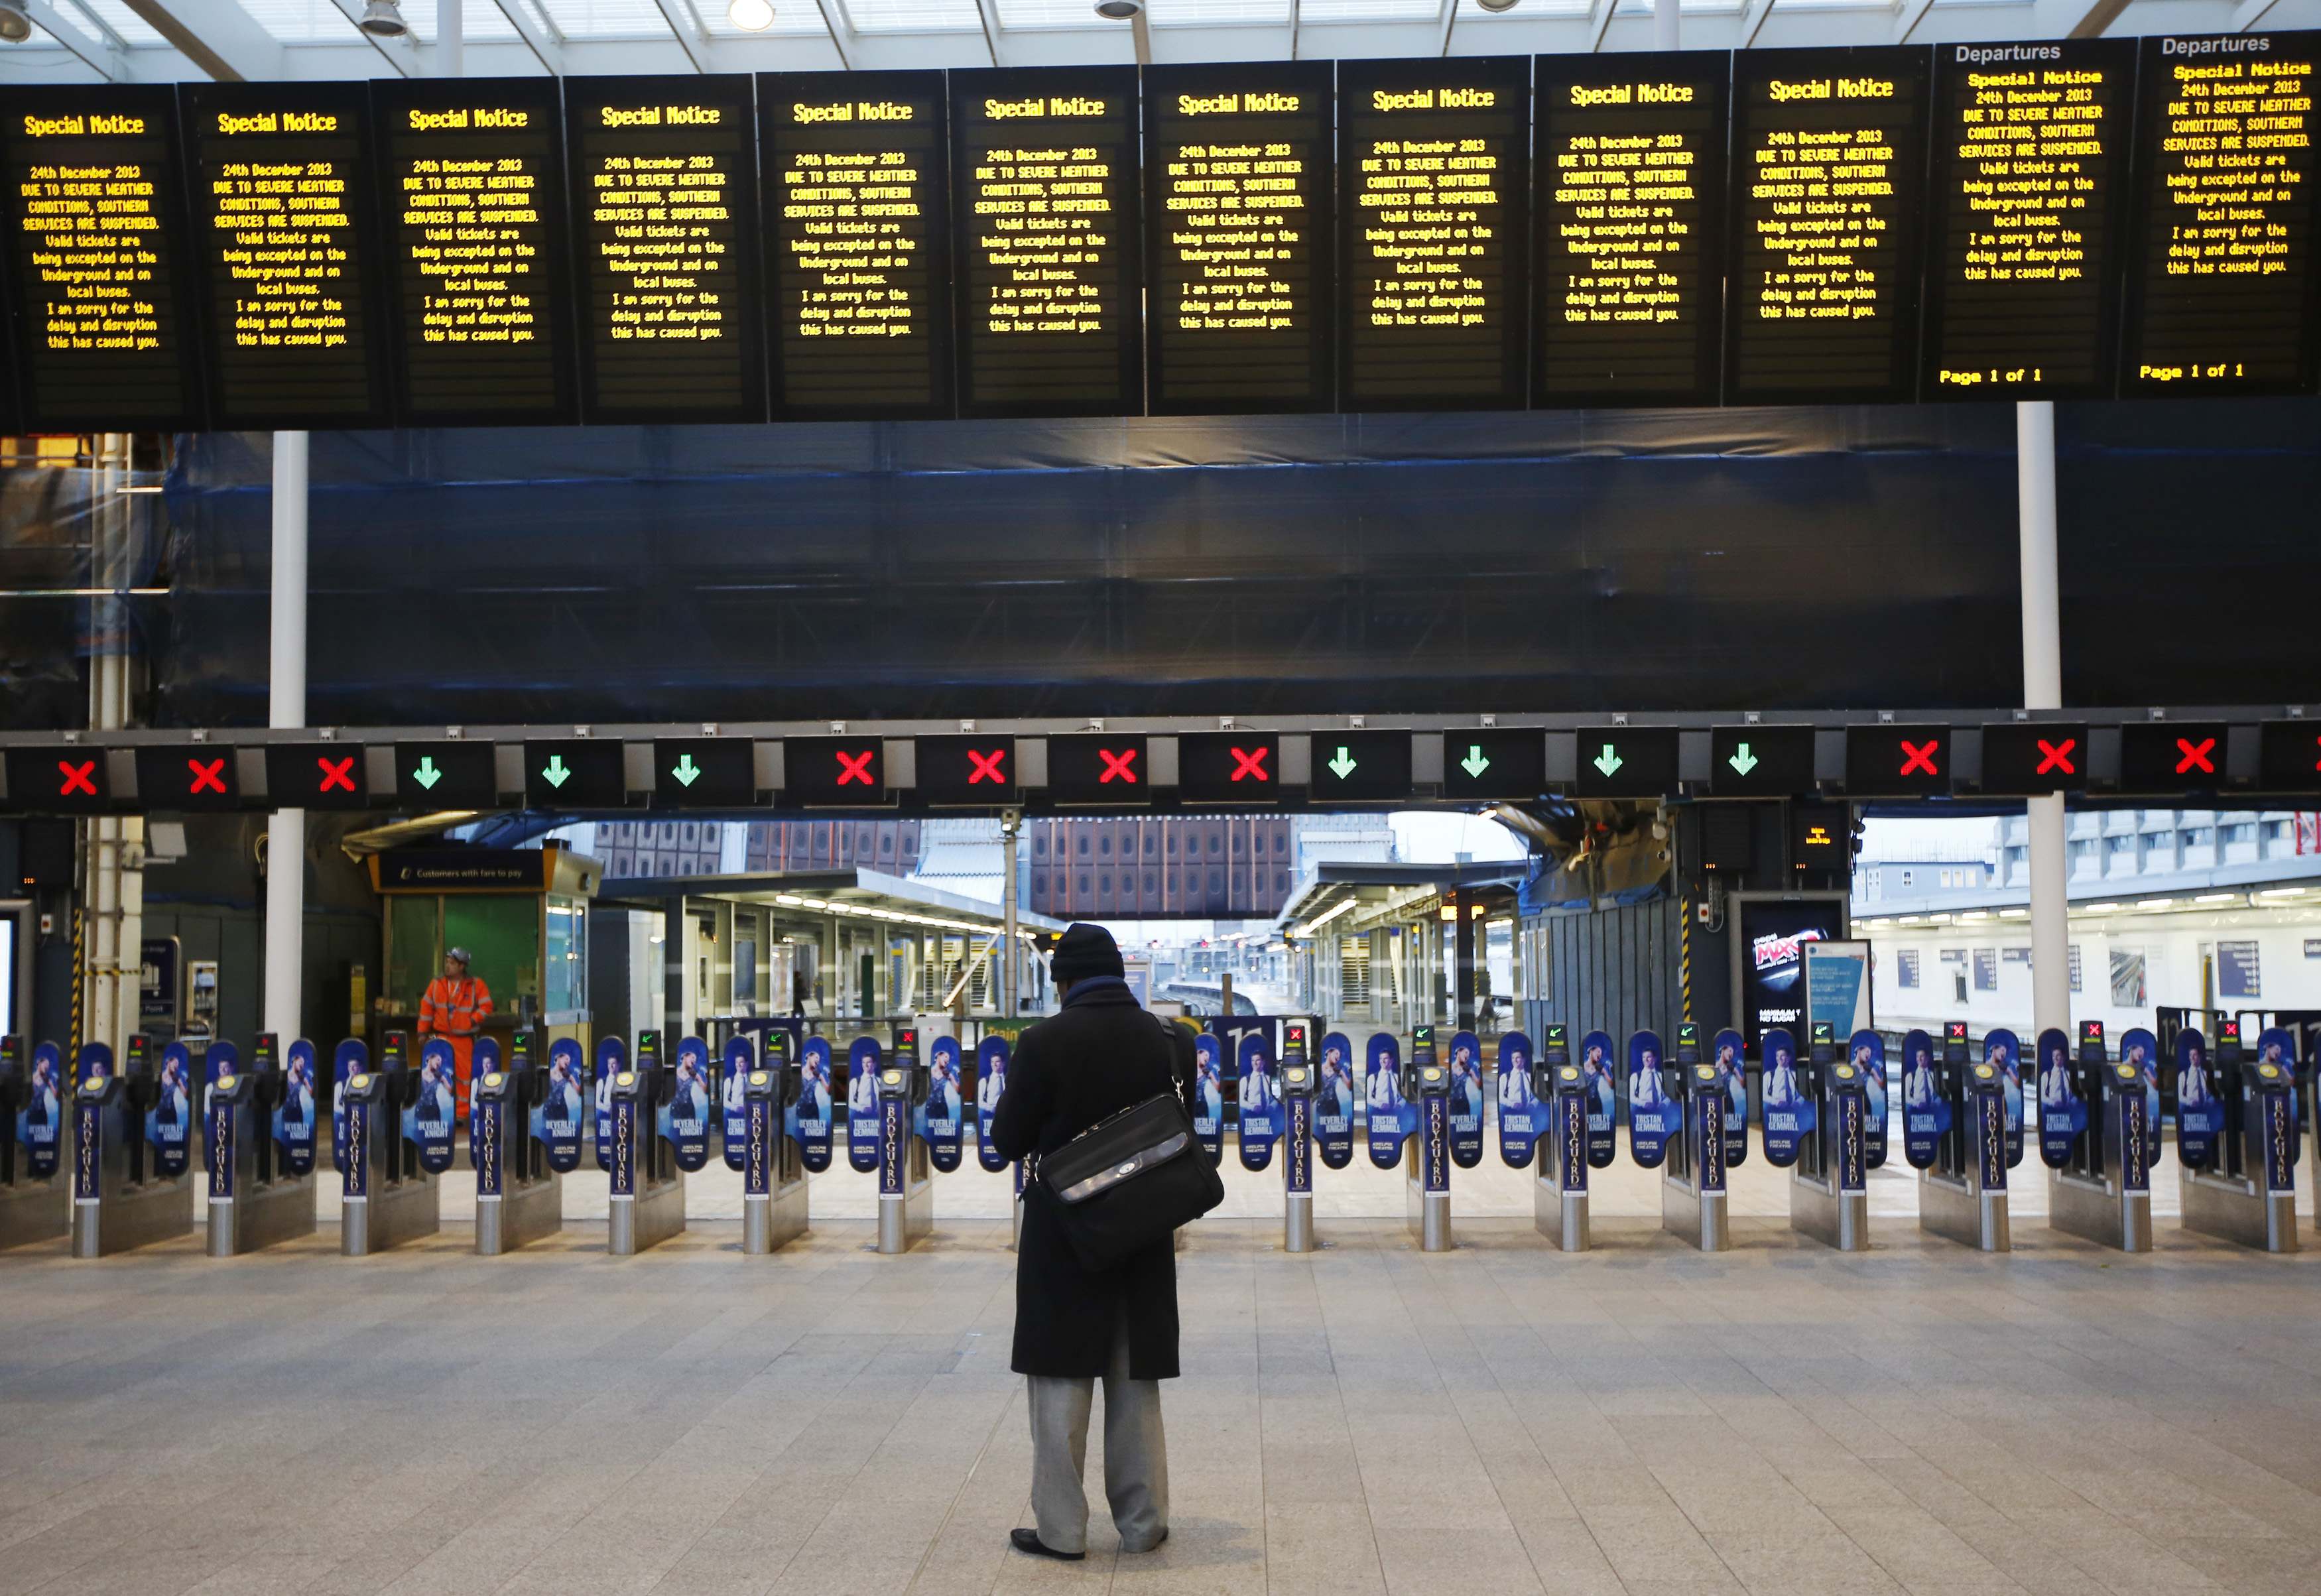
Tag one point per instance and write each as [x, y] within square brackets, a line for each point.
[1667, 27]
[285, 706]
[2042, 689]
[451, 39]
[1011, 826]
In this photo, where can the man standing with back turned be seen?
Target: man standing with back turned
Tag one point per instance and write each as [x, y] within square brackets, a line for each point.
[1100, 1055]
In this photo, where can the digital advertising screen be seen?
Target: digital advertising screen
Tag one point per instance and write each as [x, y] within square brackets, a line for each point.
[286, 251]
[2030, 161]
[664, 209]
[1769, 944]
[1238, 238]
[2222, 287]
[1434, 189]
[1045, 216]
[1828, 176]
[97, 257]
[858, 244]
[1629, 197]
[471, 193]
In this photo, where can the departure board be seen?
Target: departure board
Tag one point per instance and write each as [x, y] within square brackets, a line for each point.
[1434, 192]
[279, 186]
[1630, 259]
[2030, 192]
[97, 235]
[472, 194]
[1044, 172]
[1828, 152]
[664, 210]
[2222, 293]
[1238, 238]
[857, 250]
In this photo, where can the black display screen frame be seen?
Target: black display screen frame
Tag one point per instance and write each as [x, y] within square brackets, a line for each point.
[1360, 79]
[1125, 395]
[1898, 383]
[200, 103]
[927, 90]
[1554, 76]
[30, 410]
[735, 91]
[392, 98]
[2151, 91]
[2107, 251]
[1164, 86]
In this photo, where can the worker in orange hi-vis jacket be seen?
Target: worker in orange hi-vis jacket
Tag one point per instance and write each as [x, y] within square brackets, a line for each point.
[455, 1006]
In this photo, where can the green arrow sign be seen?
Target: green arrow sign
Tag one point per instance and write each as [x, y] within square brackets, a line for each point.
[1474, 763]
[427, 775]
[1742, 760]
[685, 771]
[1608, 760]
[555, 773]
[1343, 766]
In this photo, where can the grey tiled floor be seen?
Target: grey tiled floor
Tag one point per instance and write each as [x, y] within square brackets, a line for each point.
[1638, 1421]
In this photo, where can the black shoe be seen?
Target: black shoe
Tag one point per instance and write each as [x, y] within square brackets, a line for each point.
[1027, 1541]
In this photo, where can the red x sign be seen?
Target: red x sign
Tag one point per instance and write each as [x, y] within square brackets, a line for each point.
[208, 775]
[77, 778]
[2057, 755]
[1248, 764]
[985, 767]
[855, 767]
[1920, 756]
[337, 776]
[2196, 756]
[1118, 765]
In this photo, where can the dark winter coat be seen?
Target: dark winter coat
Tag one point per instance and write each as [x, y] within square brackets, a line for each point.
[1102, 1053]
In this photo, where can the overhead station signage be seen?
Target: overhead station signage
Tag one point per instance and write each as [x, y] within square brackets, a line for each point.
[1434, 192]
[704, 772]
[1490, 764]
[196, 780]
[1631, 192]
[316, 775]
[664, 186]
[472, 193]
[835, 772]
[858, 244]
[1044, 180]
[1889, 761]
[967, 770]
[1090, 771]
[1239, 237]
[58, 778]
[2222, 296]
[2031, 148]
[2027, 758]
[96, 247]
[1626, 761]
[1822, 300]
[1229, 767]
[285, 248]
[446, 774]
[1361, 767]
[2163, 757]
[1760, 761]
[575, 772]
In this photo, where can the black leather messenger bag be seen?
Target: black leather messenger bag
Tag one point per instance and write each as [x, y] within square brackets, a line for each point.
[1128, 1182]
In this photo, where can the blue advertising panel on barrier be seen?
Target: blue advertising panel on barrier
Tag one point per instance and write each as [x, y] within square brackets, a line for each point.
[1925, 1111]
[1726, 1052]
[1209, 1096]
[1466, 1099]
[817, 1105]
[1789, 1116]
[1260, 1102]
[293, 1116]
[557, 1117]
[1522, 1115]
[1595, 1067]
[990, 1081]
[1655, 1114]
[169, 1122]
[433, 1116]
[683, 1121]
[941, 1116]
[862, 1104]
[2003, 1051]
[611, 1058]
[2199, 1111]
[40, 1123]
[1333, 1101]
[352, 1059]
[738, 1057]
[2141, 1048]
[1390, 1116]
[1868, 1051]
[2062, 1111]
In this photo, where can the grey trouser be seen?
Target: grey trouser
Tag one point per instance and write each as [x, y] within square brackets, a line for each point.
[1135, 1456]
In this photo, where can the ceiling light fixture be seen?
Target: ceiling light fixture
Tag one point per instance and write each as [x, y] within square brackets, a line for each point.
[752, 17]
[15, 27]
[382, 20]
[1118, 10]
[1496, 6]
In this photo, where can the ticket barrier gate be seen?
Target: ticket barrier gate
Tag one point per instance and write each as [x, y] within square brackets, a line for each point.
[258, 1148]
[774, 1199]
[2103, 1192]
[648, 1201]
[2246, 1190]
[1298, 1088]
[132, 1180]
[519, 1193]
[388, 1198]
[1962, 1196]
[1426, 1155]
[906, 1186]
[1829, 1185]
[1559, 1196]
[32, 1206]
[1693, 1198]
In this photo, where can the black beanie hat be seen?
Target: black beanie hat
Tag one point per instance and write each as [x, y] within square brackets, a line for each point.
[1085, 950]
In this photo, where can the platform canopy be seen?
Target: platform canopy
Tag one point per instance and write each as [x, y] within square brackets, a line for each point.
[868, 896]
[1345, 898]
[166, 41]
